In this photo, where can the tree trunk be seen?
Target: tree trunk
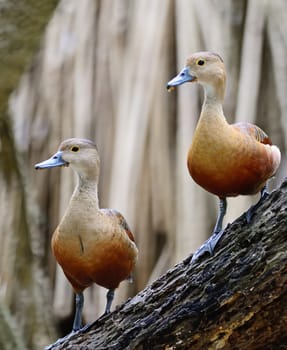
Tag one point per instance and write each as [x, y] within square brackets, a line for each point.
[23, 280]
[233, 300]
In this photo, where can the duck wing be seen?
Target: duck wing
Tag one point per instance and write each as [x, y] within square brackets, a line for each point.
[253, 131]
[115, 215]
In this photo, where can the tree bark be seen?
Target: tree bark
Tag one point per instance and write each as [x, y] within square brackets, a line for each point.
[235, 299]
[22, 24]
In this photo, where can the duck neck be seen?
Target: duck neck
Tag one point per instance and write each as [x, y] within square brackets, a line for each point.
[86, 191]
[212, 105]
[214, 94]
[83, 207]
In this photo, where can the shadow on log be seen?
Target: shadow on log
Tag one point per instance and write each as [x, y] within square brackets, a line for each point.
[234, 300]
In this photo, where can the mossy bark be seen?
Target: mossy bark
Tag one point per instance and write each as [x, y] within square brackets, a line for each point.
[235, 299]
[22, 24]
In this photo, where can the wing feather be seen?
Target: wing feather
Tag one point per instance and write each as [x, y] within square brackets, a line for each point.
[120, 220]
[253, 131]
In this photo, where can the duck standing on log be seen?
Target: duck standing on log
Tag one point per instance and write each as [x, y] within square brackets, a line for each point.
[225, 159]
[92, 245]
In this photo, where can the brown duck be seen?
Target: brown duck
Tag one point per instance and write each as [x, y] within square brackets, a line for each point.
[92, 245]
[225, 159]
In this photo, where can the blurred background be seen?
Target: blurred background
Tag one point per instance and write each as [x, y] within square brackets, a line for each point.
[98, 69]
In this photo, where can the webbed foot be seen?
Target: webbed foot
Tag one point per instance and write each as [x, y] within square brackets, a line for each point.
[208, 246]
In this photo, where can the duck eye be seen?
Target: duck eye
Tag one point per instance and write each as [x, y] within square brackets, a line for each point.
[200, 62]
[75, 148]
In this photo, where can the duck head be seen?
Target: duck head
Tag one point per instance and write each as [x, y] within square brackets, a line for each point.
[206, 68]
[80, 154]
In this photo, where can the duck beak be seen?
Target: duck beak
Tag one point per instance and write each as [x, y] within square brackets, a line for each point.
[183, 77]
[54, 161]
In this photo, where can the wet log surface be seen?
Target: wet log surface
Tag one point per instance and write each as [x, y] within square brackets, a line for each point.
[236, 299]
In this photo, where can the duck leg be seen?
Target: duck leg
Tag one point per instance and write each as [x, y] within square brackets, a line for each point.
[251, 211]
[77, 324]
[209, 245]
[78, 314]
[110, 298]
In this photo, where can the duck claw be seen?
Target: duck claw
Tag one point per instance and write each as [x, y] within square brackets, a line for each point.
[208, 246]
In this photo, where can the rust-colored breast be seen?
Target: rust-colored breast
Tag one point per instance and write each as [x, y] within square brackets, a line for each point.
[239, 160]
[90, 259]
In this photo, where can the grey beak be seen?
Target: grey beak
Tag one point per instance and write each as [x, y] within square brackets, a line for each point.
[183, 77]
[54, 161]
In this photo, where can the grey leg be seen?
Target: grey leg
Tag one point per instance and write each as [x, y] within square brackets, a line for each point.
[77, 322]
[110, 298]
[78, 314]
[209, 245]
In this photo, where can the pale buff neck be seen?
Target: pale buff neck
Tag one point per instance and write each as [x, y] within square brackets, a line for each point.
[86, 193]
[83, 208]
[212, 104]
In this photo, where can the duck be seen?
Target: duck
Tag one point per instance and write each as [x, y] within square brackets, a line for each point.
[225, 159]
[91, 245]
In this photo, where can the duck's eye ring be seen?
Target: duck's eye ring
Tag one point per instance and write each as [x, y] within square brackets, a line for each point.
[200, 62]
[75, 148]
